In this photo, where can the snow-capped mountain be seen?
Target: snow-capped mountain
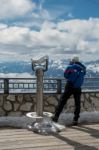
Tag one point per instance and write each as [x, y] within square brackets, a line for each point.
[55, 68]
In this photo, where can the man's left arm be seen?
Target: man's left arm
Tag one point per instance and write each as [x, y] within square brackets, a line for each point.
[83, 68]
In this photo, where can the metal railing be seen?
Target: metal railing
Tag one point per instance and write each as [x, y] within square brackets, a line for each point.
[51, 85]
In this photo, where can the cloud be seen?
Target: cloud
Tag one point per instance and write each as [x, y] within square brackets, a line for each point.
[35, 18]
[65, 37]
[82, 35]
[3, 26]
[12, 8]
[54, 12]
[14, 35]
[70, 15]
[41, 12]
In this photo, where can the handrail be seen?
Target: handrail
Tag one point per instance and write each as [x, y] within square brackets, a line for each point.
[51, 85]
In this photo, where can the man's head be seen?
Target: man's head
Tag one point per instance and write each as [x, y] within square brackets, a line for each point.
[75, 59]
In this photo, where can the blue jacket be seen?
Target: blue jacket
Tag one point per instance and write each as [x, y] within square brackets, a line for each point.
[75, 73]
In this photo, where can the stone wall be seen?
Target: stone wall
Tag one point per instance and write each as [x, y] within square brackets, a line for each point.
[20, 104]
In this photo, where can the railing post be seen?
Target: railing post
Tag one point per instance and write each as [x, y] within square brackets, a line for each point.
[59, 84]
[6, 86]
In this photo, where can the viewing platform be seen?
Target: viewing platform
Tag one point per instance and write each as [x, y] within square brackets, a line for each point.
[18, 97]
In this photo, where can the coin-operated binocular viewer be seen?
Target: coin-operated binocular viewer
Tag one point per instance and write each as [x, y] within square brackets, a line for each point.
[43, 123]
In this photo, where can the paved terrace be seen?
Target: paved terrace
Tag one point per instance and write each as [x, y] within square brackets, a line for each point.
[84, 137]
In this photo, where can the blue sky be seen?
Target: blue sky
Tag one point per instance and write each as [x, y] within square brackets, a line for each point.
[57, 28]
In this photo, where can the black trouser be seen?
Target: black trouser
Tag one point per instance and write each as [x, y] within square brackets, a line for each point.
[69, 90]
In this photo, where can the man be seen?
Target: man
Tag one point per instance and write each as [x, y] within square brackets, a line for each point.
[74, 75]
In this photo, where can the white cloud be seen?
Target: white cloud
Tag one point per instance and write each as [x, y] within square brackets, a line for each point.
[14, 35]
[3, 26]
[15, 8]
[81, 34]
[70, 15]
[43, 12]
[66, 37]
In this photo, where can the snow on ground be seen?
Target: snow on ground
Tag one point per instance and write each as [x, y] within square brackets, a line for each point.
[16, 75]
[85, 117]
[19, 122]
[65, 119]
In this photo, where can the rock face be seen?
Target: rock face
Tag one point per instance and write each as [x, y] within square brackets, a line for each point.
[26, 106]
[20, 104]
[7, 106]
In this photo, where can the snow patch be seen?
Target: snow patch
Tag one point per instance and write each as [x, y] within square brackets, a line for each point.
[64, 119]
[19, 122]
[85, 117]
[16, 75]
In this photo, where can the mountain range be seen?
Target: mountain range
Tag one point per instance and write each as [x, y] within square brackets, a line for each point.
[55, 68]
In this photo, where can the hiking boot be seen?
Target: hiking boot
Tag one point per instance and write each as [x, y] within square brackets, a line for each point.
[75, 123]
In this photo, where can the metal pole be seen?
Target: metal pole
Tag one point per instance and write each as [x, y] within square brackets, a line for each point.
[39, 109]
